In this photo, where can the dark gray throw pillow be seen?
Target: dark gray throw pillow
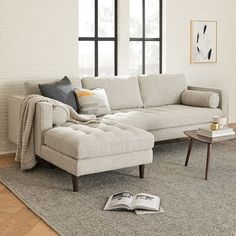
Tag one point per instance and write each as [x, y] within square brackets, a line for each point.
[62, 91]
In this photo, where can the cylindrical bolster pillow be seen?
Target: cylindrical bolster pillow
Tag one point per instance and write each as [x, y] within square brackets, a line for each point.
[200, 98]
[60, 116]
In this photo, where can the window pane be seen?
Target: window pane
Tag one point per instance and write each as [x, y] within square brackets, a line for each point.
[86, 58]
[86, 18]
[106, 18]
[135, 20]
[105, 58]
[135, 57]
[152, 18]
[152, 57]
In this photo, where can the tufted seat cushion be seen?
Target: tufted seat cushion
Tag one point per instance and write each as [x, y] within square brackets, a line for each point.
[97, 140]
[170, 116]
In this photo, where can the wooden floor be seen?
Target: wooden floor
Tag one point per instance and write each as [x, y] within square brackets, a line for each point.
[15, 218]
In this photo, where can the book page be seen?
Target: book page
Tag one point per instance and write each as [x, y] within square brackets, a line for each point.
[144, 212]
[120, 200]
[146, 201]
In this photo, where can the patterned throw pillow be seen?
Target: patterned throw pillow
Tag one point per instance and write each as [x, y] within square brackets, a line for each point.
[92, 101]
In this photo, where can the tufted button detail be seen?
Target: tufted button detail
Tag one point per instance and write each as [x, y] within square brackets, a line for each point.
[97, 140]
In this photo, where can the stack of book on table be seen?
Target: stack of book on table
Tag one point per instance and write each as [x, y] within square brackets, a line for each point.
[226, 131]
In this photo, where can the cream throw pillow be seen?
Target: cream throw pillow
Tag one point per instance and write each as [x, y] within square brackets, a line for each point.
[92, 101]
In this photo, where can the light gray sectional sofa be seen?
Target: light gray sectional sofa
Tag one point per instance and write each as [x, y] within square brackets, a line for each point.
[144, 109]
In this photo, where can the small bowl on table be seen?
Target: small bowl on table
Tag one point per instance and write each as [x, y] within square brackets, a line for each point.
[221, 120]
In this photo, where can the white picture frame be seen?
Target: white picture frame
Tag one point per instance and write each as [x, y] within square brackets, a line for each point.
[203, 45]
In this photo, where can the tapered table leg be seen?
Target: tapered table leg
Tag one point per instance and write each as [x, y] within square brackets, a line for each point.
[208, 159]
[189, 151]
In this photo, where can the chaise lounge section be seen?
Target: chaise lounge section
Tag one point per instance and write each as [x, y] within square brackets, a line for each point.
[86, 149]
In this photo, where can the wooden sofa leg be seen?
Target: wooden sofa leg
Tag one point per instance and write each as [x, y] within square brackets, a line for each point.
[75, 183]
[141, 171]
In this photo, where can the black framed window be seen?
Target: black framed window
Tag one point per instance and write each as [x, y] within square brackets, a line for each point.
[98, 37]
[145, 29]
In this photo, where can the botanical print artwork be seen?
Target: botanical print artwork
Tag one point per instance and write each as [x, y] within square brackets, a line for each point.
[203, 41]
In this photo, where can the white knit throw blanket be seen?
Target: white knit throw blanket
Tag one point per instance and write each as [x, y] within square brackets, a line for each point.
[25, 152]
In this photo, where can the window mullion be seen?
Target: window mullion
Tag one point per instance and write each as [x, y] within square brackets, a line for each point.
[160, 35]
[96, 38]
[143, 40]
[116, 39]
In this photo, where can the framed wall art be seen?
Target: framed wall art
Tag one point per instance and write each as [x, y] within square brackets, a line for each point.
[203, 41]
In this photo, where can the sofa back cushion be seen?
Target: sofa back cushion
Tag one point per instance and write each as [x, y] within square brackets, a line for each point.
[122, 91]
[160, 90]
[31, 86]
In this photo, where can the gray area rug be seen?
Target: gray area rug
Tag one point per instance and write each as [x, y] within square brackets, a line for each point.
[192, 205]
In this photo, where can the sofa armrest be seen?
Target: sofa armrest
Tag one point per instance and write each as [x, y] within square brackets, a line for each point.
[223, 94]
[14, 105]
[43, 121]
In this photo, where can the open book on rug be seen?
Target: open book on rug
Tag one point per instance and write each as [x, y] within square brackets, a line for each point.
[129, 201]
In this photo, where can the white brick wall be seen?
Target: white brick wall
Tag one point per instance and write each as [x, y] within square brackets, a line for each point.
[7, 88]
[38, 40]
